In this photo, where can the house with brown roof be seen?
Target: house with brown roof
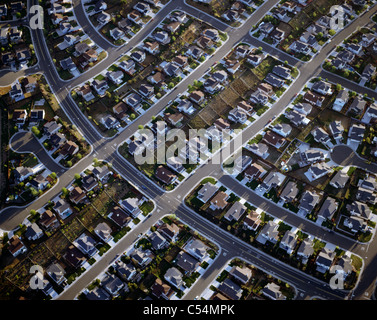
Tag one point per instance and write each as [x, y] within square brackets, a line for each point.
[48, 220]
[16, 246]
[274, 139]
[77, 195]
[197, 97]
[161, 290]
[174, 119]
[204, 42]
[254, 172]
[69, 149]
[169, 231]
[181, 61]
[165, 175]
[314, 98]
[86, 92]
[119, 216]
[74, 257]
[120, 110]
[152, 47]
[219, 201]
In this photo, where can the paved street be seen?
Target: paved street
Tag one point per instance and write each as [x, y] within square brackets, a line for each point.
[172, 202]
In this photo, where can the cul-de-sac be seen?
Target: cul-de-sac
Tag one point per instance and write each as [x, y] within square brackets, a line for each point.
[188, 150]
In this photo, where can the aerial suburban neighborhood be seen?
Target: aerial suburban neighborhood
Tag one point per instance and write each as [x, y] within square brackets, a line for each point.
[174, 150]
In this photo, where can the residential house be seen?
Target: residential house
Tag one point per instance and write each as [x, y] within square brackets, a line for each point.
[63, 208]
[273, 180]
[19, 117]
[272, 291]
[135, 16]
[86, 244]
[254, 172]
[115, 76]
[269, 233]
[16, 246]
[89, 183]
[116, 33]
[131, 205]
[340, 100]
[56, 272]
[101, 172]
[230, 289]
[187, 263]
[77, 195]
[322, 87]
[158, 241]
[298, 46]
[138, 56]
[197, 249]
[68, 64]
[260, 149]
[133, 100]
[151, 47]
[283, 129]
[339, 180]
[197, 97]
[113, 285]
[103, 18]
[235, 212]
[100, 86]
[128, 66]
[219, 201]
[126, 272]
[328, 209]
[86, 92]
[336, 129]
[161, 290]
[325, 259]
[74, 257]
[120, 217]
[303, 108]
[288, 242]
[165, 175]
[48, 220]
[356, 133]
[206, 192]
[314, 98]
[308, 201]
[33, 232]
[274, 140]
[274, 80]
[242, 275]
[318, 170]
[103, 231]
[305, 250]
[174, 277]
[252, 221]
[289, 192]
[169, 231]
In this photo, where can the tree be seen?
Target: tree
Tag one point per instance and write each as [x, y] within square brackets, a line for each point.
[53, 175]
[77, 176]
[35, 130]
[69, 163]
[332, 32]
